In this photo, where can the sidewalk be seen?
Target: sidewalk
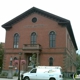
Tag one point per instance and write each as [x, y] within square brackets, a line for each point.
[67, 79]
[14, 78]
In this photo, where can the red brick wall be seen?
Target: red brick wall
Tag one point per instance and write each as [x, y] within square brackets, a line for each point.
[42, 27]
[57, 59]
[22, 27]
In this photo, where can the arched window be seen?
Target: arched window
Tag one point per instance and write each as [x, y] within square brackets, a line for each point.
[52, 39]
[16, 40]
[33, 38]
[15, 58]
[50, 61]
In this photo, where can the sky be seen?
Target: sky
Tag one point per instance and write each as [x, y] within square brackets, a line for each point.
[68, 9]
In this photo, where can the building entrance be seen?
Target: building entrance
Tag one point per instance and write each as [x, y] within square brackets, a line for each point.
[31, 59]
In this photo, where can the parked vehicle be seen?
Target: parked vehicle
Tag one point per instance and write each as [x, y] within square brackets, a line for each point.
[44, 73]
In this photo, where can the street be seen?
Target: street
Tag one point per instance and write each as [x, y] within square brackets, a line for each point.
[16, 78]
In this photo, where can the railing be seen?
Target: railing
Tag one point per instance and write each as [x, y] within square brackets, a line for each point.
[31, 46]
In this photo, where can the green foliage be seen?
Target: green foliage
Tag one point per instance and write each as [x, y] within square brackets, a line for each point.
[15, 74]
[33, 60]
[78, 61]
[1, 55]
[1, 51]
[4, 74]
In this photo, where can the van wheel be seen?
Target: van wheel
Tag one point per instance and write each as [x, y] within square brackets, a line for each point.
[52, 79]
[26, 78]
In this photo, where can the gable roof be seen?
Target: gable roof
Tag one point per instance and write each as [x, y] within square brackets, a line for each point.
[60, 21]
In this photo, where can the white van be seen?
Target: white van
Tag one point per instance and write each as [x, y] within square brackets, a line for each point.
[44, 73]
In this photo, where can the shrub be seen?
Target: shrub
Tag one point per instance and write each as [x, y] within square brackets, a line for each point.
[15, 74]
[4, 74]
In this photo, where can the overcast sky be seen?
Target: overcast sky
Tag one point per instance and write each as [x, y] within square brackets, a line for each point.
[69, 9]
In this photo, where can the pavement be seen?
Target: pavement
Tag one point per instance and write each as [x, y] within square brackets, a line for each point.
[72, 79]
[14, 78]
[67, 79]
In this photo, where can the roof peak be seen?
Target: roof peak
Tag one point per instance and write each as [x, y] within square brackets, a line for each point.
[60, 20]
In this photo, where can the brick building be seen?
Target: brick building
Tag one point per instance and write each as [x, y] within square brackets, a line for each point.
[42, 38]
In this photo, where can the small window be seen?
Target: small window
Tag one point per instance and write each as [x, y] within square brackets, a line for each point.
[34, 19]
[33, 71]
[50, 61]
[15, 58]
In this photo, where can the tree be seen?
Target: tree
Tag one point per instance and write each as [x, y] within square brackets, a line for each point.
[1, 55]
[78, 61]
[33, 59]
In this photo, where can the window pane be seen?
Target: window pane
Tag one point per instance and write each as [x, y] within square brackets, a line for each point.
[33, 71]
[16, 40]
[52, 39]
[33, 38]
[50, 61]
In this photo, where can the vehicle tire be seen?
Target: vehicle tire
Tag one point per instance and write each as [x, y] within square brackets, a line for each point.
[26, 78]
[52, 79]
